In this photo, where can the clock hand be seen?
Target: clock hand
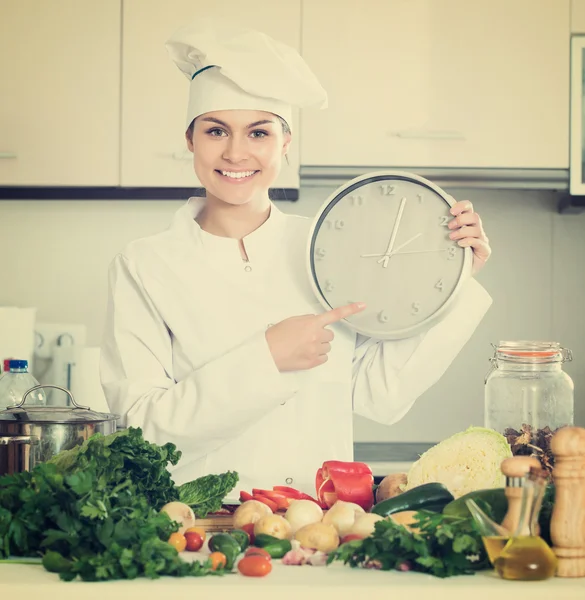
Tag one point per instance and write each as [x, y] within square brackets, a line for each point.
[406, 252]
[395, 251]
[386, 257]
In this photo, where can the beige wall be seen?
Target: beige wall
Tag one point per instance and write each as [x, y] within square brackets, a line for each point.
[55, 256]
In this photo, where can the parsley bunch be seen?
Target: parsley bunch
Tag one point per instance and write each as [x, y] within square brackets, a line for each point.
[93, 511]
[444, 546]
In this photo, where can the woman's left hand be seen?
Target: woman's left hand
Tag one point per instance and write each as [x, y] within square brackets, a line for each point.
[468, 232]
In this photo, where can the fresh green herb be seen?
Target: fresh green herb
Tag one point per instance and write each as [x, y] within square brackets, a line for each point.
[206, 494]
[445, 546]
[126, 455]
[94, 513]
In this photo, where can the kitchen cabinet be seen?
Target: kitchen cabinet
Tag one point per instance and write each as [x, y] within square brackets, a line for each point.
[60, 92]
[577, 16]
[155, 92]
[439, 84]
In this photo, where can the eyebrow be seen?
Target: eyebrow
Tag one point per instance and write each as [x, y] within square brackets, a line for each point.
[255, 124]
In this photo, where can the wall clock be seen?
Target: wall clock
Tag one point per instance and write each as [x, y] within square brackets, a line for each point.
[383, 239]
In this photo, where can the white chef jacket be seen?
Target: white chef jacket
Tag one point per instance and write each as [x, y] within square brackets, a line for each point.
[185, 356]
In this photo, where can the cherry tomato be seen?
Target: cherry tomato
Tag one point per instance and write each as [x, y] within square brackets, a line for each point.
[254, 566]
[194, 541]
[178, 541]
[249, 529]
[198, 530]
[218, 560]
[252, 551]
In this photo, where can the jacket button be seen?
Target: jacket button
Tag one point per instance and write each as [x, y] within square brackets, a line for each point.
[288, 480]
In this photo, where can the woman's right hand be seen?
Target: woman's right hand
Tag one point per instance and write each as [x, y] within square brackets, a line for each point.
[300, 343]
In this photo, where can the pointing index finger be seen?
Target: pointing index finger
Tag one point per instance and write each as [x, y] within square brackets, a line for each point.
[340, 313]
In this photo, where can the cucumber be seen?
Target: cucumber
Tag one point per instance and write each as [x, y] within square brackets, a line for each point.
[227, 545]
[429, 496]
[276, 547]
[495, 498]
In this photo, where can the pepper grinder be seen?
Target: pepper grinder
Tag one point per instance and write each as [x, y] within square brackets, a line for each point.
[568, 515]
[515, 469]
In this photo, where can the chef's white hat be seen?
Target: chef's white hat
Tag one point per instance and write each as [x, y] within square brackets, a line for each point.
[236, 68]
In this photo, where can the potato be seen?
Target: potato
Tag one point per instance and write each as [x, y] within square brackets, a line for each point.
[250, 512]
[274, 525]
[318, 536]
[303, 512]
[342, 516]
[365, 524]
[390, 486]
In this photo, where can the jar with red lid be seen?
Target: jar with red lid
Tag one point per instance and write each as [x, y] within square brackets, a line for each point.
[528, 396]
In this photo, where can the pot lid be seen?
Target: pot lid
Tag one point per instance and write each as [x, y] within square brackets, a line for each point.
[22, 413]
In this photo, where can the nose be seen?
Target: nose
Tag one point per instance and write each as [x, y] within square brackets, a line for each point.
[236, 149]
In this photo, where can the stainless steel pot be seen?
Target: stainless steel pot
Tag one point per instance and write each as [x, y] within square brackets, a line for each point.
[34, 434]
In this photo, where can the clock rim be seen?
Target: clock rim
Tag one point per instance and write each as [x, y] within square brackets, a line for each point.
[432, 319]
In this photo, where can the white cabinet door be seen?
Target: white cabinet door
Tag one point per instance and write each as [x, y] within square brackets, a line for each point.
[448, 83]
[155, 92]
[577, 16]
[59, 92]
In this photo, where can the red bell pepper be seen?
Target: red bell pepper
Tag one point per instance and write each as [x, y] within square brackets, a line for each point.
[346, 481]
[244, 496]
[293, 493]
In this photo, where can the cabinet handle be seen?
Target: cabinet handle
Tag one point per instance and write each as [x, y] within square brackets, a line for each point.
[7, 155]
[427, 135]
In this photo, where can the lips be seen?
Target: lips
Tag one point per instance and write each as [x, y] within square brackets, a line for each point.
[237, 176]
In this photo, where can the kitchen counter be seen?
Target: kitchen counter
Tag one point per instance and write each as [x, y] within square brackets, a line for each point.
[334, 582]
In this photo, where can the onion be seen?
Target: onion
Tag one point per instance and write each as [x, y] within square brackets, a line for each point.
[301, 513]
[181, 513]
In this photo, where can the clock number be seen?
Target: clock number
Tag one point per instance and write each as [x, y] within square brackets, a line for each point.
[338, 224]
[444, 220]
[452, 250]
[439, 285]
[382, 316]
[387, 190]
[420, 198]
[415, 307]
[320, 253]
[357, 200]
[329, 287]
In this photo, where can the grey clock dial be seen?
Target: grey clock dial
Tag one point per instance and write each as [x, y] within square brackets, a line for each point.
[383, 239]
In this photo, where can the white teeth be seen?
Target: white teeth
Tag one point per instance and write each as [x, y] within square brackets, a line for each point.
[238, 175]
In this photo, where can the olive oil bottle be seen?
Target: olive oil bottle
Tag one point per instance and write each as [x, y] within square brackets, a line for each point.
[526, 556]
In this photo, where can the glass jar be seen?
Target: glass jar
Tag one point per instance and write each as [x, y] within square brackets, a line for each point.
[528, 396]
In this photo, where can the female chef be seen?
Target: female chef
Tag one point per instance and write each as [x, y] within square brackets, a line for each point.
[214, 339]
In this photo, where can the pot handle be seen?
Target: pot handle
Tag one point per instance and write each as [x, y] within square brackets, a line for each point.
[22, 439]
[38, 387]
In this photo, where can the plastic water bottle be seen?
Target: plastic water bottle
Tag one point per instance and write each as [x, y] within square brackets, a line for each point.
[16, 382]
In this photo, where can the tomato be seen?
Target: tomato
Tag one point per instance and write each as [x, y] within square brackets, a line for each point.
[253, 551]
[198, 530]
[254, 566]
[218, 560]
[249, 529]
[194, 541]
[351, 537]
[178, 541]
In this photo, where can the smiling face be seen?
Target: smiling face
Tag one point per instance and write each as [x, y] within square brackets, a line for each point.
[237, 154]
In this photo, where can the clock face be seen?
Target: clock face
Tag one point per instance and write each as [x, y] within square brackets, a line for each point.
[383, 239]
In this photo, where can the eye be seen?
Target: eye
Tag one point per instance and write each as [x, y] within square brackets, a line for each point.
[259, 133]
[216, 132]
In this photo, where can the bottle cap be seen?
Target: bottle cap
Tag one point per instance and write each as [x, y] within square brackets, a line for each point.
[18, 364]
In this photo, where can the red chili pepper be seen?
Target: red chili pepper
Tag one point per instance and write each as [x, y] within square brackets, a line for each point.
[346, 481]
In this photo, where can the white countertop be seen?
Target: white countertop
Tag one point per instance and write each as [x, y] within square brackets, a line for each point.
[334, 582]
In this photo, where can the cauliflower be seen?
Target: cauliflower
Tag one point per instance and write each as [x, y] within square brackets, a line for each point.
[465, 462]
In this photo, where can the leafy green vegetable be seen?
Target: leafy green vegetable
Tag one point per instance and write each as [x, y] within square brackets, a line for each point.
[445, 546]
[126, 455]
[206, 494]
[94, 513]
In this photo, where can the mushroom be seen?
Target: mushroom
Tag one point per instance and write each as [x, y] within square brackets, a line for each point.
[303, 512]
[250, 512]
[342, 516]
[273, 525]
[318, 536]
